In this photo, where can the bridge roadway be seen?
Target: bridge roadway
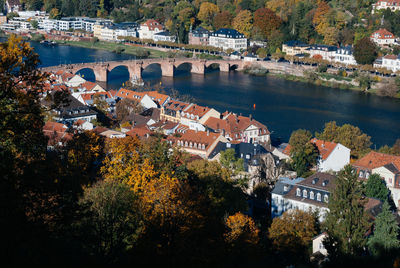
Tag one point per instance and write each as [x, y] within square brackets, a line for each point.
[135, 67]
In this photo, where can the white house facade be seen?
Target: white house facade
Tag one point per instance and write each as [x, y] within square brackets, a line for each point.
[228, 39]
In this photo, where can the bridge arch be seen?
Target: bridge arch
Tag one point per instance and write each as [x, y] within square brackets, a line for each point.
[152, 69]
[87, 73]
[119, 72]
[183, 68]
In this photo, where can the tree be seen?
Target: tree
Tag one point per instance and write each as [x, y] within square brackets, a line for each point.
[207, 13]
[365, 51]
[125, 107]
[293, 231]
[100, 103]
[320, 19]
[375, 187]
[385, 237]
[346, 222]
[262, 52]
[223, 20]
[350, 136]
[266, 20]
[34, 24]
[230, 161]
[242, 235]
[243, 22]
[396, 147]
[302, 151]
[109, 222]
[54, 13]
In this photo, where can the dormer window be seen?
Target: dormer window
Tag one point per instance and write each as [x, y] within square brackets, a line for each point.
[305, 193]
[318, 197]
[298, 192]
[326, 198]
[312, 195]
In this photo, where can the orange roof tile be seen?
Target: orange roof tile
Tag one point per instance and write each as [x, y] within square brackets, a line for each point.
[382, 34]
[140, 131]
[152, 24]
[374, 160]
[195, 110]
[325, 148]
[199, 137]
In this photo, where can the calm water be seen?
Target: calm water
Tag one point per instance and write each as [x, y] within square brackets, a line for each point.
[282, 105]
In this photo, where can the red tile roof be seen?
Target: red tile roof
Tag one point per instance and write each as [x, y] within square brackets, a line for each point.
[325, 148]
[234, 124]
[152, 24]
[88, 85]
[390, 57]
[198, 137]
[195, 110]
[374, 160]
[140, 131]
[56, 132]
[382, 34]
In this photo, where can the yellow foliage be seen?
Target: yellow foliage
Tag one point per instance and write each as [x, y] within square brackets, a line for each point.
[243, 22]
[241, 228]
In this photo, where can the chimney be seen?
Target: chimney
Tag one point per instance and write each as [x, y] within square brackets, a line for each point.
[223, 132]
[251, 117]
[208, 132]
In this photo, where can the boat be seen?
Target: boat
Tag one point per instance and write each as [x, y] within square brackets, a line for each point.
[48, 43]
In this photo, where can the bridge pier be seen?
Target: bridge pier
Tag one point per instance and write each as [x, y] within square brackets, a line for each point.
[101, 73]
[198, 68]
[168, 69]
[135, 71]
[224, 67]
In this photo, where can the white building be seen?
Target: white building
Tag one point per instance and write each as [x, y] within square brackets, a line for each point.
[72, 23]
[332, 156]
[345, 56]
[149, 28]
[393, 5]
[228, 39]
[318, 244]
[278, 202]
[391, 174]
[164, 37]
[383, 37]
[325, 51]
[390, 62]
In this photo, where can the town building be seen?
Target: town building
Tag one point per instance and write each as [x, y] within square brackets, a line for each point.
[393, 5]
[331, 156]
[324, 51]
[199, 36]
[149, 28]
[383, 37]
[112, 32]
[172, 110]
[57, 134]
[228, 39]
[294, 47]
[200, 143]
[239, 128]
[72, 23]
[195, 115]
[148, 99]
[164, 36]
[390, 62]
[344, 55]
[278, 202]
[386, 166]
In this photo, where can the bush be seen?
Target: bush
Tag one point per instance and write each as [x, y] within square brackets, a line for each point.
[119, 50]
[141, 53]
[322, 68]
[37, 37]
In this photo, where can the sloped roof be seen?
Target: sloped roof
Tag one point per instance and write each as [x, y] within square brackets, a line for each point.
[152, 24]
[382, 34]
[325, 148]
[374, 160]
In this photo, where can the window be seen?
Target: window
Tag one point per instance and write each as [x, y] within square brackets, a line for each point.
[312, 195]
[298, 192]
[326, 198]
[305, 193]
[318, 197]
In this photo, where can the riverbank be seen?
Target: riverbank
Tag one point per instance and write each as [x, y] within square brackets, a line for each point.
[331, 80]
[117, 47]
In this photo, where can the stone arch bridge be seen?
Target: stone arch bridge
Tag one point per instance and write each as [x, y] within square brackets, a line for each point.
[135, 67]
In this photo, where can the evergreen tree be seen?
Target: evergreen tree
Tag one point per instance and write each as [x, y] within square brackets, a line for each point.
[346, 221]
[303, 152]
[385, 237]
[376, 188]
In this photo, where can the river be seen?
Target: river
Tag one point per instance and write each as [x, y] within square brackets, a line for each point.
[281, 105]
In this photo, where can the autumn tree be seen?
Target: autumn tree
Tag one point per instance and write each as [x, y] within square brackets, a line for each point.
[242, 236]
[320, 19]
[365, 51]
[346, 222]
[266, 20]
[350, 136]
[384, 240]
[293, 231]
[223, 20]
[396, 147]
[127, 106]
[207, 13]
[243, 22]
[302, 151]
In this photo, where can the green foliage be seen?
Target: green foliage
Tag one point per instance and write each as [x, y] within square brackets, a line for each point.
[322, 68]
[230, 161]
[34, 24]
[303, 152]
[109, 221]
[385, 239]
[346, 222]
[375, 187]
